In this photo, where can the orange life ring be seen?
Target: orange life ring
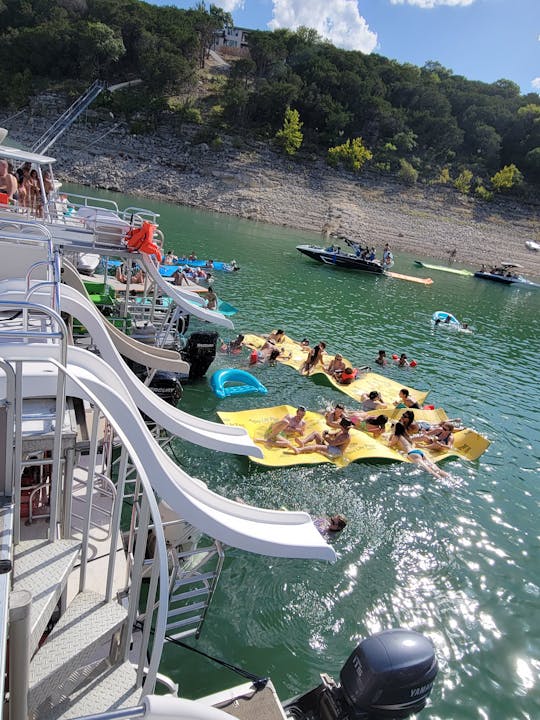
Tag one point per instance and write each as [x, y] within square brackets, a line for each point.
[142, 240]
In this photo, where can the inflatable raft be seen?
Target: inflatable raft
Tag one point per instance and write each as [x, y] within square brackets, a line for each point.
[232, 381]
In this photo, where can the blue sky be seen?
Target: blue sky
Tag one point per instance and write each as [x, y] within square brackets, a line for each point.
[480, 39]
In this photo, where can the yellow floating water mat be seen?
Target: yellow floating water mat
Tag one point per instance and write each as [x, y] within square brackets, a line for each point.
[257, 421]
[468, 444]
[294, 355]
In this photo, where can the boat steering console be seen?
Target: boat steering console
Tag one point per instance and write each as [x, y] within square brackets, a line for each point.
[388, 676]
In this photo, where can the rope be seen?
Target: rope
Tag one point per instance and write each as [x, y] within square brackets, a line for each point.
[258, 681]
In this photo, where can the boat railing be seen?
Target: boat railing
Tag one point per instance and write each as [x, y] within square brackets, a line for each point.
[34, 322]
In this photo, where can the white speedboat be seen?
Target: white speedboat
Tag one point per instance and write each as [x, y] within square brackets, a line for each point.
[85, 635]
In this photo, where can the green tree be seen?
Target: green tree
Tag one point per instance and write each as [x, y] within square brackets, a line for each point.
[508, 177]
[407, 173]
[353, 154]
[290, 136]
[463, 182]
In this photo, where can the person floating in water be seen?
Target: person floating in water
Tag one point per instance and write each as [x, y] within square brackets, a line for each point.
[381, 358]
[401, 439]
[330, 524]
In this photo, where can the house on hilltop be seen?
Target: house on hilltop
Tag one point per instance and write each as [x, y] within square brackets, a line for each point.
[231, 40]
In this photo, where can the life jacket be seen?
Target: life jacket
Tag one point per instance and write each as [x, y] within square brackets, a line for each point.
[347, 377]
[142, 240]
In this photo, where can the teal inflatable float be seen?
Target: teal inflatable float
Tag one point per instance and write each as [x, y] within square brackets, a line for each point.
[232, 381]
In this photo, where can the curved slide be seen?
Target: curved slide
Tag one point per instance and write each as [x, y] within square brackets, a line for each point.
[184, 298]
[205, 433]
[152, 357]
[266, 532]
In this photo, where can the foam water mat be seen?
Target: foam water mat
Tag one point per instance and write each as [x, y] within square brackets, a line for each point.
[257, 421]
[294, 355]
[468, 444]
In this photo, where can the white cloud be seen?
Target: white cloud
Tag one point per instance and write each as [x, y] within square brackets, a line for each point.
[229, 5]
[336, 20]
[433, 3]
[536, 83]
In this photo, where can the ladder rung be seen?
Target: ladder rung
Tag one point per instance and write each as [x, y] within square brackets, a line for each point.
[175, 612]
[184, 634]
[188, 621]
[194, 578]
[189, 594]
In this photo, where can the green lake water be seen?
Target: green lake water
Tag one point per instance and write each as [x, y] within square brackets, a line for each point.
[456, 559]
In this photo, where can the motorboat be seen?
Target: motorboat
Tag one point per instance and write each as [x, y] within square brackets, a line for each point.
[532, 245]
[504, 274]
[334, 255]
[86, 634]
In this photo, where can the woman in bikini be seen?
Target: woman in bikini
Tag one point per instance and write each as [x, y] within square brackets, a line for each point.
[438, 438]
[373, 425]
[333, 417]
[315, 356]
[400, 439]
[332, 445]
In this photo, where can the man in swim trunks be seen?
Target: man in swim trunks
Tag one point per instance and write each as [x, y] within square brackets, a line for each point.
[332, 445]
[290, 426]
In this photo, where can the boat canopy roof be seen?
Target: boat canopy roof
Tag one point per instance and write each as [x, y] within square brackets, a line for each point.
[510, 265]
[22, 156]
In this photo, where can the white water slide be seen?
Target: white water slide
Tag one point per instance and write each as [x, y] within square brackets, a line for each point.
[205, 433]
[147, 355]
[187, 300]
[266, 532]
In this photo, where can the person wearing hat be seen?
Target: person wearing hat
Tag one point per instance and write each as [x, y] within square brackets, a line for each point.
[332, 445]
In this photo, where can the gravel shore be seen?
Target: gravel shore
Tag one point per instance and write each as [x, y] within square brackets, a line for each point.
[252, 180]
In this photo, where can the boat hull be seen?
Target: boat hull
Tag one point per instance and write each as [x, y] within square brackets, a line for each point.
[340, 259]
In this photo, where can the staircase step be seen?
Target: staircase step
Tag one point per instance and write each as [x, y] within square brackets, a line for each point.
[85, 625]
[43, 568]
[110, 689]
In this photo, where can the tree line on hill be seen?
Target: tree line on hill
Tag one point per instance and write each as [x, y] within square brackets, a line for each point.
[421, 123]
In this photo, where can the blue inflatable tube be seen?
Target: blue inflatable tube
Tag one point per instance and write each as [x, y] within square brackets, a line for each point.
[244, 383]
[445, 318]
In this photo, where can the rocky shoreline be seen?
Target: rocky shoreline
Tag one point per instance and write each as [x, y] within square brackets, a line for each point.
[251, 180]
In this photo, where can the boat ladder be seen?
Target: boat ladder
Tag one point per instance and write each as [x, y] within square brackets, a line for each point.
[194, 579]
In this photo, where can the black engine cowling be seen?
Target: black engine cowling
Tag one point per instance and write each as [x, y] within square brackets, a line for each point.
[389, 676]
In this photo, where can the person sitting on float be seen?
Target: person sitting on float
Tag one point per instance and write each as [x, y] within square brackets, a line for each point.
[406, 400]
[335, 367]
[347, 376]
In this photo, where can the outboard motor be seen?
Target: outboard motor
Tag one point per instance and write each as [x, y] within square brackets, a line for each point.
[388, 677]
[200, 351]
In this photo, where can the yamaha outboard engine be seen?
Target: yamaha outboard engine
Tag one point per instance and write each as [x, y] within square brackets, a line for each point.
[199, 352]
[388, 677]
